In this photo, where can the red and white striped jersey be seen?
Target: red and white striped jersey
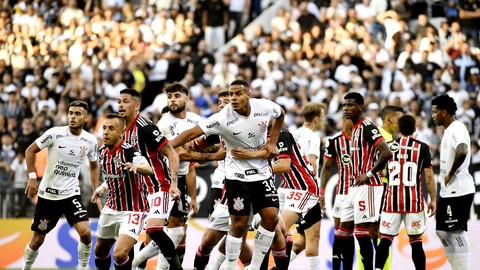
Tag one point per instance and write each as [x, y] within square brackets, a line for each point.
[363, 150]
[299, 176]
[126, 190]
[337, 147]
[405, 192]
[144, 135]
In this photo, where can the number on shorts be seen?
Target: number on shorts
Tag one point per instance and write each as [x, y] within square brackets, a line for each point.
[77, 204]
[294, 195]
[157, 201]
[269, 185]
[134, 219]
[449, 211]
[361, 205]
[409, 173]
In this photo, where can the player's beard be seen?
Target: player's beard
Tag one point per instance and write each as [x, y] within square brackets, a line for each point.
[180, 108]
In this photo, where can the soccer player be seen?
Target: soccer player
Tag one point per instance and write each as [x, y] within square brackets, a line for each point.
[300, 198]
[162, 185]
[337, 149]
[368, 156]
[309, 141]
[457, 187]
[404, 198]
[390, 115]
[121, 220]
[249, 183]
[59, 190]
[218, 221]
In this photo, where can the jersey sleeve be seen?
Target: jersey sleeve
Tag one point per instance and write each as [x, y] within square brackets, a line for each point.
[460, 136]
[284, 145]
[330, 152]
[153, 137]
[134, 156]
[372, 134]
[212, 126]
[426, 156]
[46, 139]
[313, 146]
[92, 155]
[274, 108]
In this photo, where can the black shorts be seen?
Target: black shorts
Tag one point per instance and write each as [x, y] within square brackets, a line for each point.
[453, 213]
[180, 208]
[259, 194]
[48, 212]
[215, 197]
[313, 216]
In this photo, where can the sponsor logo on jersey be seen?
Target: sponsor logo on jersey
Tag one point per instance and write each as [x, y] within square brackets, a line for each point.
[239, 175]
[251, 172]
[213, 124]
[231, 122]
[415, 224]
[345, 158]
[386, 224]
[394, 146]
[260, 114]
[238, 204]
[251, 135]
[46, 139]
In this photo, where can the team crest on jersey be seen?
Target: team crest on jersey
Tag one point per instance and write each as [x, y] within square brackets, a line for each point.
[345, 158]
[43, 225]
[83, 151]
[263, 126]
[134, 139]
[394, 146]
[238, 204]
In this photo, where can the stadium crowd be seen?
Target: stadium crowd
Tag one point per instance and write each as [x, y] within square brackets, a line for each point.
[54, 52]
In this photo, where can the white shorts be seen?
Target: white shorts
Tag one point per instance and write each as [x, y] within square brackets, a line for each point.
[338, 205]
[362, 204]
[160, 205]
[414, 223]
[112, 223]
[219, 219]
[299, 201]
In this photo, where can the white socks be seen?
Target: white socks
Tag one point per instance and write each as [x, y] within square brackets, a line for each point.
[233, 247]
[149, 251]
[313, 262]
[176, 234]
[83, 255]
[261, 244]
[29, 256]
[217, 263]
[455, 245]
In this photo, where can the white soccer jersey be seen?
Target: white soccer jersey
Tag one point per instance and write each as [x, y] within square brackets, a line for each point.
[219, 173]
[248, 132]
[170, 126]
[308, 140]
[462, 182]
[66, 153]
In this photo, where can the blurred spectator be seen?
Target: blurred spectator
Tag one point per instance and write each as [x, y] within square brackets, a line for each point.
[18, 180]
[7, 155]
[238, 12]
[214, 23]
[469, 19]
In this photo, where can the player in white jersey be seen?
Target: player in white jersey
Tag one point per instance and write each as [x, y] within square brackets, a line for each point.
[309, 141]
[456, 184]
[172, 123]
[249, 183]
[59, 190]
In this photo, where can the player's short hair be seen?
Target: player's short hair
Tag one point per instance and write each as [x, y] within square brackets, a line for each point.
[120, 118]
[223, 92]
[79, 103]
[406, 124]
[176, 87]
[241, 82]
[389, 110]
[445, 102]
[132, 92]
[311, 110]
[355, 96]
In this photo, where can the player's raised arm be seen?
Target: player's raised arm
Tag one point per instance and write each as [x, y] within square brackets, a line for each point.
[187, 136]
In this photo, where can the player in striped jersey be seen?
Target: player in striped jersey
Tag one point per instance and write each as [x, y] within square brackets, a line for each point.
[121, 220]
[337, 149]
[161, 186]
[363, 201]
[404, 198]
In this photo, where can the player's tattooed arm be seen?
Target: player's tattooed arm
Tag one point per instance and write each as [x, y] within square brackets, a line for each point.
[189, 155]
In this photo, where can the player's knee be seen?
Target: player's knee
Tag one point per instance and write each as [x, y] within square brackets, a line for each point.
[269, 223]
[37, 241]
[120, 256]
[86, 238]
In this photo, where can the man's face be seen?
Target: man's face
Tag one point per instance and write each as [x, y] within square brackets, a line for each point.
[394, 120]
[112, 131]
[77, 116]
[239, 96]
[128, 106]
[177, 102]
[223, 101]
[351, 109]
[438, 116]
